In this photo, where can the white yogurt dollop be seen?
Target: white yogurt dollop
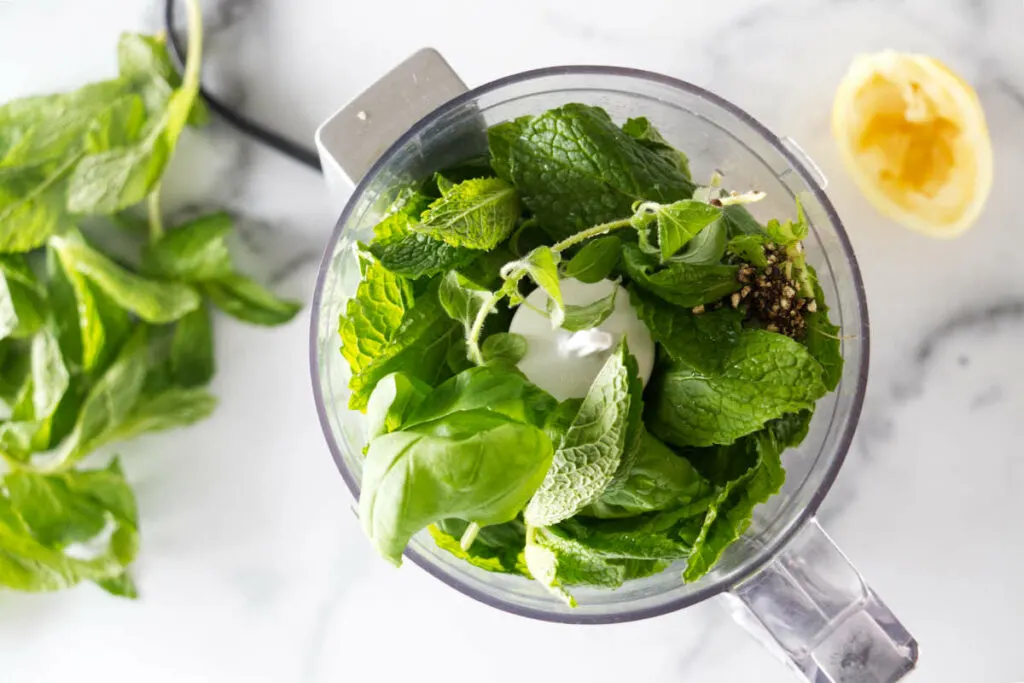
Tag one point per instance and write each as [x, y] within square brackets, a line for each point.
[564, 363]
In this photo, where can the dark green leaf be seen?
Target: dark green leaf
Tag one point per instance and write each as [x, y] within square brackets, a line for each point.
[641, 129]
[476, 214]
[504, 347]
[822, 338]
[242, 298]
[682, 284]
[191, 355]
[575, 168]
[595, 261]
[678, 223]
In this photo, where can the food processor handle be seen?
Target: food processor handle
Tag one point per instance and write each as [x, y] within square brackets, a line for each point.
[360, 132]
[813, 609]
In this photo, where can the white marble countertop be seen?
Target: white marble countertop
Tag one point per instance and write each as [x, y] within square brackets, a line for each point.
[253, 567]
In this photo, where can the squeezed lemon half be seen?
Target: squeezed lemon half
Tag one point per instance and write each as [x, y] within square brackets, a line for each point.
[913, 135]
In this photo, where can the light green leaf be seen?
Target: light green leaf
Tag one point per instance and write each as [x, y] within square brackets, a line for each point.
[118, 125]
[153, 301]
[22, 309]
[497, 548]
[474, 465]
[462, 298]
[50, 377]
[596, 260]
[394, 398]
[32, 204]
[589, 315]
[680, 283]
[245, 299]
[193, 252]
[414, 255]
[592, 450]
[749, 248]
[26, 564]
[172, 408]
[678, 222]
[647, 135]
[478, 214]
[504, 347]
[144, 63]
[541, 265]
[192, 359]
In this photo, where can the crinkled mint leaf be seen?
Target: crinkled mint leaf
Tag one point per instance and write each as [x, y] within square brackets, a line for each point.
[595, 261]
[575, 168]
[475, 465]
[733, 393]
[476, 214]
[411, 254]
[649, 136]
[592, 449]
[682, 284]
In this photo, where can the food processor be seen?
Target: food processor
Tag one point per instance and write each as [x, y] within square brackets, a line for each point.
[785, 579]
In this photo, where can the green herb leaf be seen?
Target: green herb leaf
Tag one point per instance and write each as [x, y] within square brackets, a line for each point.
[462, 298]
[595, 261]
[678, 222]
[245, 299]
[680, 283]
[412, 254]
[172, 408]
[154, 302]
[541, 265]
[589, 315]
[474, 465]
[701, 401]
[22, 310]
[32, 205]
[498, 548]
[591, 451]
[647, 135]
[658, 479]
[731, 512]
[373, 315]
[477, 214]
[504, 347]
[575, 168]
[144, 63]
[193, 252]
[486, 388]
[191, 355]
[822, 338]
[749, 248]
[394, 398]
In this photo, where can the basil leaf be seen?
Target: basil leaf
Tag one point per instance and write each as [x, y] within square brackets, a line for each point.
[154, 302]
[191, 354]
[575, 168]
[593, 447]
[242, 298]
[680, 283]
[394, 398]
[504, 347]
[193, 252]
[476, 465]
[595, 261]
[477, 214]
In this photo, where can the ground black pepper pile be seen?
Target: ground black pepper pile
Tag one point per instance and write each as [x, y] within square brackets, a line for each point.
[770, 295]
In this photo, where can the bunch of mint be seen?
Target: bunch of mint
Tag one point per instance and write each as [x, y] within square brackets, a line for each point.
[625, 481]
[96, 349]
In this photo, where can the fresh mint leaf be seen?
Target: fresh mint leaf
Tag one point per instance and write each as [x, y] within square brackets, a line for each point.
[682, 284]
[191, 354]
[593, 446]
[476, 214]
[419, 346]
[462, 298]
[247, 300]
[169, 409]
[646, 134]
[414, 255]
[153, 301]
[595, 261]
[25, 563]
[575, 168]
[731, 512]
[541, 265]
[118, 125]
[504, 347]
[475, 465]
[22, 310]
[144, 64]
[589, 315]
[487, 388]
[822, 338]
[640, 537]
[32, 204]
[394, 398]
[193, 252]
[678, 223]
[749, 248]
[706, 248]
[718, 399]
[658, 479]
[738, 221]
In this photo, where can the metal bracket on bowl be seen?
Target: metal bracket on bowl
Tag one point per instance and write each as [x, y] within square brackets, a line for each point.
[358, 133]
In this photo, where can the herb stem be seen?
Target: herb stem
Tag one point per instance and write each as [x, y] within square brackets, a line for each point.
[584, 235]
[156, 221]
[473, 340]
[469, 535]
[194, 56]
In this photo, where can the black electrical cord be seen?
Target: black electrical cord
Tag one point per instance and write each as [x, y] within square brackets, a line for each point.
[291, 149]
